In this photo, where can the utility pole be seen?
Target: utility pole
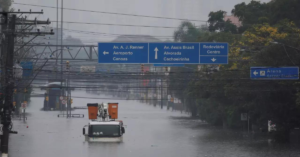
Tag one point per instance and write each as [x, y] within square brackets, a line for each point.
[9, 84]
[56, 38]
[8, 53]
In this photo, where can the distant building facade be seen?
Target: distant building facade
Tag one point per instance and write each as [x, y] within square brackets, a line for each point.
[234, 20]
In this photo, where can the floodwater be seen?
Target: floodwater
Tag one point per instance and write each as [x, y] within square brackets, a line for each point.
[150, 132]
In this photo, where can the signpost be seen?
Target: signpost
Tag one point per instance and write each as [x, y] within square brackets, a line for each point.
[24, 105]
[269, 73]
[27, 68]
[244, 116]
[64, 102]
[163, 53]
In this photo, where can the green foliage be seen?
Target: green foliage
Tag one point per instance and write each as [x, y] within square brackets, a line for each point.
[187, 32]
[5, 4]
[272, 12]
[250, 13]
[221, 97]
[285, 9]
[217, 23]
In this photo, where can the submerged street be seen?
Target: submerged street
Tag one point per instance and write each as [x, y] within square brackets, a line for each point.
[150, 132]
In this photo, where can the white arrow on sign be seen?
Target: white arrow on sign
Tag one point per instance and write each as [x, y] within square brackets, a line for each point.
[105, 53]
[156, 50]
[214, 59]
[255, 73]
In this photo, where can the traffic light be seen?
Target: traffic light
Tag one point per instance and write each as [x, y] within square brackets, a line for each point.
[71, 101]
[68, 65]
[47, 98]
[15, 90]
[142, 68]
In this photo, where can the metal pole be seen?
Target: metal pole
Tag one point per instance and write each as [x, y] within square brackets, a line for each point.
[61, 52]
[155, 101]
[167, 92]
[68, 94]
[56, 38]
[161, 94]
[248, 121]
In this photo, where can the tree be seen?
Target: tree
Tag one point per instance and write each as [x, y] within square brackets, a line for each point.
[187, 32]
[268, 100]
[272, 12]
[5, 4]
[285, 9]
[217, 23]
[250, 13]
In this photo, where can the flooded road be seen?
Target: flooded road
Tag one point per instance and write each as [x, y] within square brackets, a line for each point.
[150, 132]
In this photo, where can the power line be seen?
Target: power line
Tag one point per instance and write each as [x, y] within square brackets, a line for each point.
[113, 13]
[122, 25]
[91, 32]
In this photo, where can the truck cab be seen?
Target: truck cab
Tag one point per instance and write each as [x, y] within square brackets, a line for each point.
[103, 131]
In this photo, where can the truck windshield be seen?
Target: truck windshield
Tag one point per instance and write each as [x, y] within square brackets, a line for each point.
[104, 130]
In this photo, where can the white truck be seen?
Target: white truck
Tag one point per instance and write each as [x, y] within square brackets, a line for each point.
[103, 126]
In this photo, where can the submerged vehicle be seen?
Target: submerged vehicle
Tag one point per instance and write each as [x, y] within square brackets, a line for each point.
[103, 125]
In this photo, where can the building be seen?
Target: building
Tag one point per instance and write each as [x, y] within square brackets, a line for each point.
[234, 20]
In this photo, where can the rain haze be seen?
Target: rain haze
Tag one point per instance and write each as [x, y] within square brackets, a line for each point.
[147, 78]
[180, 9]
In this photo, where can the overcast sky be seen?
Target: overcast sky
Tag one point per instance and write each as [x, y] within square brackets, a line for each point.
[187, 9]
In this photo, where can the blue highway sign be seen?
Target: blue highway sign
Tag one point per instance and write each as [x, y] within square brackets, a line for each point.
[123, 53]
[268, 73]
[174, 53]
[163, 53]
[214, 53]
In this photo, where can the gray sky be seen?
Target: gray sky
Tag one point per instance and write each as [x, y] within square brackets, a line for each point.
[190, 9]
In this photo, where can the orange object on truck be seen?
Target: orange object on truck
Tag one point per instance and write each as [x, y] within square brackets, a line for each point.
[93, 110]
[113, 110]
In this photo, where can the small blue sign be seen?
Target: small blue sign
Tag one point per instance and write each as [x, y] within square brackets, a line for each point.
[133, 53]
[214, 49]
[214, 53]
[268, 73]
[27, 68]
[163, 53]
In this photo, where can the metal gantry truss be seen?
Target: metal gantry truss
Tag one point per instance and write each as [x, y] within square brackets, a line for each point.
[71, 52]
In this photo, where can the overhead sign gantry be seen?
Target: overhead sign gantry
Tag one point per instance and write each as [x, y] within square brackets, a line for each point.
[163, 53]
